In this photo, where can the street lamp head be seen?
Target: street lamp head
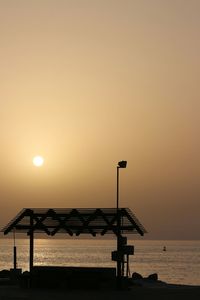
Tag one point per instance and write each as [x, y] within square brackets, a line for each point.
[122, 164]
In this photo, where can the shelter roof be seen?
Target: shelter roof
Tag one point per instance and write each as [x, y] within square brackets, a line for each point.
[74, 221]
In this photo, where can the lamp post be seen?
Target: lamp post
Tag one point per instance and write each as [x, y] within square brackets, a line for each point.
[121, 165]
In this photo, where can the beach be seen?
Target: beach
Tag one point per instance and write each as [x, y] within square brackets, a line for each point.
[165, 292]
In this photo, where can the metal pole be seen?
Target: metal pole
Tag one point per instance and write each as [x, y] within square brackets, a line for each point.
[15, 257]
[31, 244]
[117, 189]
[120, 255]
[118, 235]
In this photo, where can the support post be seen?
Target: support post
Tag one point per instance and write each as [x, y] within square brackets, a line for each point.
[119, 270]
[14, 252]
[31, 251]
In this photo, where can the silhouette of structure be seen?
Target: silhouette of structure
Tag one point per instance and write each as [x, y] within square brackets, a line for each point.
[118, 255]
[77, 221]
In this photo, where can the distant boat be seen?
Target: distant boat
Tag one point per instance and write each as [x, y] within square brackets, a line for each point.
[164, 248]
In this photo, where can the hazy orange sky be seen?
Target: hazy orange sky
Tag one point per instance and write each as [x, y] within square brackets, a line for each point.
[86, 83]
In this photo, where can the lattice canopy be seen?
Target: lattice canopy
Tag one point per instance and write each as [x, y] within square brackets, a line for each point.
[75, 221]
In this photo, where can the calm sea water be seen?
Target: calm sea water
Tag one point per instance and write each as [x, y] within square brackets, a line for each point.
[179, 264]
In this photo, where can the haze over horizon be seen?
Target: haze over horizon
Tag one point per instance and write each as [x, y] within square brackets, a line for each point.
[86, 84]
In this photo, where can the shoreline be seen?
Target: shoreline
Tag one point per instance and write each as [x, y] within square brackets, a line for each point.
[137, 291]
[137, 288]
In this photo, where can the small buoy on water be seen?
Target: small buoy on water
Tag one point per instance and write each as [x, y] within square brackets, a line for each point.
[164, 248]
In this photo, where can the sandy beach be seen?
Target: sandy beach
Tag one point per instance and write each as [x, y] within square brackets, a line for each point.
[162, 292]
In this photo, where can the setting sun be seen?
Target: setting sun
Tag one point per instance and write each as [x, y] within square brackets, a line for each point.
[38, 161]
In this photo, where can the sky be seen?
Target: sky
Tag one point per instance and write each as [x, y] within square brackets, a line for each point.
[87, 83]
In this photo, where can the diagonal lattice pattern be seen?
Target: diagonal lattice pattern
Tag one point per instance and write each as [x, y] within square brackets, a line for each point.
[74, 221]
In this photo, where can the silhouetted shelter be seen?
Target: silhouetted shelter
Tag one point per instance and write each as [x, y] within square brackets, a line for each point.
[93, 221]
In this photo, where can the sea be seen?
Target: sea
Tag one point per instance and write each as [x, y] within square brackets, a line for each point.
[179, 264]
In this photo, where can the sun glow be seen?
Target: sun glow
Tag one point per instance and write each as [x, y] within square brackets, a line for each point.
[38, 161]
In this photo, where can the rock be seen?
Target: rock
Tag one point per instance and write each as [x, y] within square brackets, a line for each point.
[136, 276]
[153, 277]
[4, 274]
[26, 273]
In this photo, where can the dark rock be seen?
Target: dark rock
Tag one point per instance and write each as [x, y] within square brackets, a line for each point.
[153, 277]
[4, 274]
[136, 276]
[26, 273]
